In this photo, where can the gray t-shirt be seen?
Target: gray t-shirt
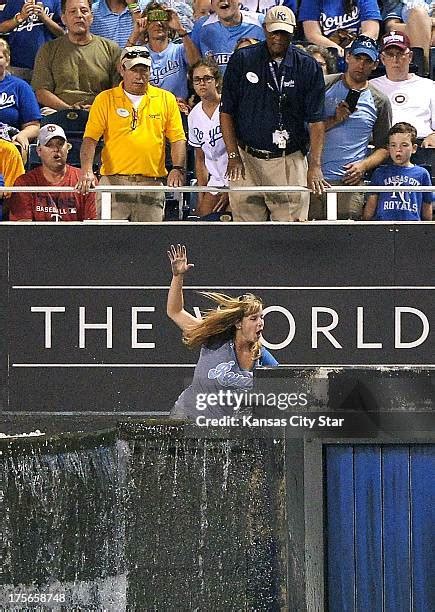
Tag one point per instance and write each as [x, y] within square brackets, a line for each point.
[217, 371]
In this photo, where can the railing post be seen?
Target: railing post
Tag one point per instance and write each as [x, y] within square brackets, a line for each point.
[331, 206]
[106, 205]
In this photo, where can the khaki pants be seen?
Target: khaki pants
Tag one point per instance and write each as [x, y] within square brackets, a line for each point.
[349, 205]
[288, 170]
[134, 206]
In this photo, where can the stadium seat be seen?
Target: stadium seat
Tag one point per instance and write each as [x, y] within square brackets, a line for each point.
[417, 65]
[71, 120]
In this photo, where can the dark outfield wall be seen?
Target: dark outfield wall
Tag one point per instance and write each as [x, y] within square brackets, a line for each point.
[372, 284]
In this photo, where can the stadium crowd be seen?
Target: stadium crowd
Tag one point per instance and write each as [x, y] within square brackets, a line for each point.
[308, 93]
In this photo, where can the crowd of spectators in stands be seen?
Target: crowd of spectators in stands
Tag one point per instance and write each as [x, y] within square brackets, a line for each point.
[121, 60]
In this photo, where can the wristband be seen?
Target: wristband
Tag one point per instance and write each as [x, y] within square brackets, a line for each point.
[18, 19]
[180, 168]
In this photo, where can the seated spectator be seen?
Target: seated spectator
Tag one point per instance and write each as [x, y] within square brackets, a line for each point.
[18, 105]
[412, 97]
[29, 24]
[71, 70]
[53, 150]
[11, 167]
[217, 35]
[323, 57]
[414, 18]
[114, 19]
[350, 126]
[400, 205]
[11, 164]
[170, 61]
[205, 136]
[336, 24]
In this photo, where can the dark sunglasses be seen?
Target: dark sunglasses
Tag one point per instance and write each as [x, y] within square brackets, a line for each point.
[133, 54]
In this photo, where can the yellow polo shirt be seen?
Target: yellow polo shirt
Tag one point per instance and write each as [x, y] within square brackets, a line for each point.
[140, 150]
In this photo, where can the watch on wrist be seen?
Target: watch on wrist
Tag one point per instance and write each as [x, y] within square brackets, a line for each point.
[233, 155]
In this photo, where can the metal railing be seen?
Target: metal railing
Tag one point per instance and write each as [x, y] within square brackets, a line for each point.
[107, 190]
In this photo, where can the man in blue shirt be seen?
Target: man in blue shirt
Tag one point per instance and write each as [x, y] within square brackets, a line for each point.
[271, 115]
[351, 127]
[217, 34]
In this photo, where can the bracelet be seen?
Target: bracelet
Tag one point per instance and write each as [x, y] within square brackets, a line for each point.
[18, 19]
[180, 168]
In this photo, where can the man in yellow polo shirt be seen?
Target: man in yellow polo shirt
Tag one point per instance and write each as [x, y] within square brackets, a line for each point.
[134, 120]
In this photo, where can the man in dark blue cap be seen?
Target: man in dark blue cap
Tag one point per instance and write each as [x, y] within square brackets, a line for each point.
[356, 115]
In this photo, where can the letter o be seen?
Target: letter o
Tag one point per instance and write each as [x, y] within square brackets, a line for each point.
[292, 327]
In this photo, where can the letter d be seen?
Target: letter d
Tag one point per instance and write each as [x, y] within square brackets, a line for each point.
[398, 327]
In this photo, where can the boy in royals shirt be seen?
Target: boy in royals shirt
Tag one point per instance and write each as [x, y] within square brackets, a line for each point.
[400, 205]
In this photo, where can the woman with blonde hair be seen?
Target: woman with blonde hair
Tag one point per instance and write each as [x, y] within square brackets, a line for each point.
[230, 340]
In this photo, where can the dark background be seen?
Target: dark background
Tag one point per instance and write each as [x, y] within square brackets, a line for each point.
[267, 257]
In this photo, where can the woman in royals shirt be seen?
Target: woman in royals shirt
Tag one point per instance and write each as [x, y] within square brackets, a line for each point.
[230, 341]
[205, 136]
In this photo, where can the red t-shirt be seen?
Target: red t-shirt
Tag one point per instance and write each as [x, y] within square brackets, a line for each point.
[51, 206]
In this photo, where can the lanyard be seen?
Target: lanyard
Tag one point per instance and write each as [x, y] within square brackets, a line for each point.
[279, 89]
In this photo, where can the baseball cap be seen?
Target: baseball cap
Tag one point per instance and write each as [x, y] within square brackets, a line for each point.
[280, 18]
[365, 45]
[395, 39]
[132, 56]
[49, 131]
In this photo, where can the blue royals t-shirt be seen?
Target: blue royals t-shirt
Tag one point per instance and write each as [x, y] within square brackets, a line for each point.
[169, 70]
[26, 39]
[217, 369]
[18, 102]
[332, 16]
[401, 205]
[219, 41]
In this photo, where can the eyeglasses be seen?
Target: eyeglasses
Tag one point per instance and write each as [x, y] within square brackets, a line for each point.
[395, 55]
[205, 79]
[133, 54]
[134, 119]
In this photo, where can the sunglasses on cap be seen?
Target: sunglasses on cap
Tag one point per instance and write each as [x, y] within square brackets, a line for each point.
[134, 54]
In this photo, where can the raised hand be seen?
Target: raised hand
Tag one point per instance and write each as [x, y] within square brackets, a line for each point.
[178, 258]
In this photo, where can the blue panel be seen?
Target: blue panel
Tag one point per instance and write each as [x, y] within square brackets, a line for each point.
[340, 517]
[422, 526]
[396, 528]
[368, 527]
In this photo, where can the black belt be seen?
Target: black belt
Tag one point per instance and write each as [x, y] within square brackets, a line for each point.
[261, 154]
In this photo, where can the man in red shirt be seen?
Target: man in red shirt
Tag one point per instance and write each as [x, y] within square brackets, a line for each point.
[53, 150]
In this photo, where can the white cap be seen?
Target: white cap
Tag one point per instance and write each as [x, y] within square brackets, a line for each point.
[49, 131]
[141, 55]
[280, 18]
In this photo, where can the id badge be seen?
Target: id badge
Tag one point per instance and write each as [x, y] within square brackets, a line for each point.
[280, 137]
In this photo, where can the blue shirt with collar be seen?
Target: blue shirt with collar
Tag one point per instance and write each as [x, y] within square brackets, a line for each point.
[250, 96]
[116, 26]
